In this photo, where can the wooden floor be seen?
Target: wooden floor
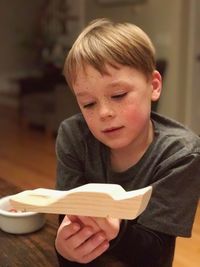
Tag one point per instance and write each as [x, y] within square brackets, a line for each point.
[27, 159]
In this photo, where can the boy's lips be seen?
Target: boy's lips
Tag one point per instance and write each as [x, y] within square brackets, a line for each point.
[112, 129]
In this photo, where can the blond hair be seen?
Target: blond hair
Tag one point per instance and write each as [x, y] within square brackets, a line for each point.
[105, 42]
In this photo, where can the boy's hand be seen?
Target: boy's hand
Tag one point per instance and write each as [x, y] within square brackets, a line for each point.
[110, 226]
[80, 243]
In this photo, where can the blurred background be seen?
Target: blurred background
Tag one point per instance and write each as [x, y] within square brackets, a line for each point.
[34, 98]
[36, 35]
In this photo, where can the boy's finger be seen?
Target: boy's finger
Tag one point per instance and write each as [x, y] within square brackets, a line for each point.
[89, 221]
[66, 230]
[99, 250]
[80, 237]
[75, 219]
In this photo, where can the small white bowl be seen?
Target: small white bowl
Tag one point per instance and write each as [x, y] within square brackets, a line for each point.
[19, 222]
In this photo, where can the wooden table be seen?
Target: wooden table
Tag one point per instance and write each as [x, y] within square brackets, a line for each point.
[29, 250]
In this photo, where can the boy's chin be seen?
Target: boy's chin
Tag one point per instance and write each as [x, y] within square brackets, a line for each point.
[116, 145]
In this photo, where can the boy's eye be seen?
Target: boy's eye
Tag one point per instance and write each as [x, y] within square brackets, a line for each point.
[119, 95]
[89, 105]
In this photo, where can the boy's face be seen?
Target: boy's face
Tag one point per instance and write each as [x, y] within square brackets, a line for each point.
[117, 105]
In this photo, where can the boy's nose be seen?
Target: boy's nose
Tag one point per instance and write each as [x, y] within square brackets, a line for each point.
[105, 111]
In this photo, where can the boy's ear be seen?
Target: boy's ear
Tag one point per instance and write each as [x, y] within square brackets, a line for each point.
[156, 84]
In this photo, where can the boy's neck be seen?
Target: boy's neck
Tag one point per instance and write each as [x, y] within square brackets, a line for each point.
[123, 159]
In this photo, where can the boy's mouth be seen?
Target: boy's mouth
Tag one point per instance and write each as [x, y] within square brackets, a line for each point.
[112, 129]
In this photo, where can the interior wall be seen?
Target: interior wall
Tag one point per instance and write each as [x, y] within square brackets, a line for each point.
[18, 22]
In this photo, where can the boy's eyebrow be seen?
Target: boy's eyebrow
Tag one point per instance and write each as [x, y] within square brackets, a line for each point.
[113, 84]
[118, 82]
[82, 94]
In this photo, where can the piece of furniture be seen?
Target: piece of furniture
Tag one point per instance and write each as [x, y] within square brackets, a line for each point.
[64, 106]
[48, 109]
[35, 249]
[45, 100]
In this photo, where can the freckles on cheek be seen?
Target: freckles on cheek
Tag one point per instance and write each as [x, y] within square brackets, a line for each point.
[89, 118]
[135, 116]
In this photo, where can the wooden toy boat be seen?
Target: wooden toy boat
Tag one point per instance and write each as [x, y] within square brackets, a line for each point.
[97, 200]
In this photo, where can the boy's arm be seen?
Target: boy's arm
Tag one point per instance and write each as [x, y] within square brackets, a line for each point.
[139, 246]
[136, 246]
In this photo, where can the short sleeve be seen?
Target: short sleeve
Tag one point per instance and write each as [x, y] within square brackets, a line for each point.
[175, 197]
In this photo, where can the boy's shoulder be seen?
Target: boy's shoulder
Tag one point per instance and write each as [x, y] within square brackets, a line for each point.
[169, 131]
[74, 127]
[75, 122]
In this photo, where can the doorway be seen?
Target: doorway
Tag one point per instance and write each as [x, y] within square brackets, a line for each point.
[193, 81]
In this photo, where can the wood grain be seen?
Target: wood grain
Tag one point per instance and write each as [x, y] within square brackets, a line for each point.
[97, 200]
[27, 159]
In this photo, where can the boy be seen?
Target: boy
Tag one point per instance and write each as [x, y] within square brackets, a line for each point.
[117, 139]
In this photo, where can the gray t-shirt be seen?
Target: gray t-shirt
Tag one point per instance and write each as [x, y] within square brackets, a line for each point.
[171, 165]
